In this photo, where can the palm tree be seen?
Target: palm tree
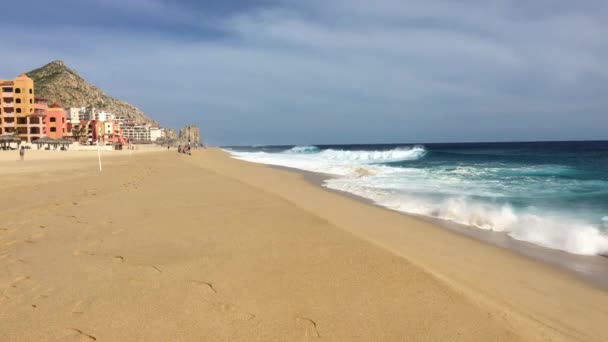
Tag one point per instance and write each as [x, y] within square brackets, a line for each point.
[78, 132]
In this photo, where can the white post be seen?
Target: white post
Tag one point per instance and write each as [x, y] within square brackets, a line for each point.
[99, 154]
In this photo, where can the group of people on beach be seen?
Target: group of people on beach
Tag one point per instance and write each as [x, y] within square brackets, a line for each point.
[185, 149]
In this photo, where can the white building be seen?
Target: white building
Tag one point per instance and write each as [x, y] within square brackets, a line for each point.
[135, 131]
[74, 114]
[104, 116]
[88, 113]
[155, 133]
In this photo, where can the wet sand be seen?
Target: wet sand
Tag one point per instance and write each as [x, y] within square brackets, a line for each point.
[162, 246]
[593, 269]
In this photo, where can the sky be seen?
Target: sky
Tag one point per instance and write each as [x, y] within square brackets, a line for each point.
[341, 71]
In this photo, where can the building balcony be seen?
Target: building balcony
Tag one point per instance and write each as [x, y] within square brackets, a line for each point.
[7, 95]
[8, 124]
[8, 105]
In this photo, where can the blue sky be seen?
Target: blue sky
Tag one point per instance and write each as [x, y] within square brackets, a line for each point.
[343, 71]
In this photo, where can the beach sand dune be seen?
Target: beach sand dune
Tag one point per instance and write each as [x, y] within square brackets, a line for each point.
[168, 247]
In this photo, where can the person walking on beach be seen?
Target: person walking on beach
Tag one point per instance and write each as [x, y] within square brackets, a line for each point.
[22, 153]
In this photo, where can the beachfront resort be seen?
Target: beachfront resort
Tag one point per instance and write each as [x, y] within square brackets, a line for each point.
[30, 120]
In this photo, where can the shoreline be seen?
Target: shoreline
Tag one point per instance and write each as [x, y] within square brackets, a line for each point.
[486, 273]
[590, 268]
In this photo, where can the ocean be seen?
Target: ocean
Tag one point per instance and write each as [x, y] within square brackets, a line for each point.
[552, 194]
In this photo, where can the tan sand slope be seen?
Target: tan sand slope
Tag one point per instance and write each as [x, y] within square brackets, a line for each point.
[166, 247]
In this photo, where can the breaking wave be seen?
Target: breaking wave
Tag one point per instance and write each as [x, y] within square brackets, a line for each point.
[492, 193]
[541, 227]
[303, 149]
[335, 162]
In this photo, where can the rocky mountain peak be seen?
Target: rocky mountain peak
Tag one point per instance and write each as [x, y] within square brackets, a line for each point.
[60, 84]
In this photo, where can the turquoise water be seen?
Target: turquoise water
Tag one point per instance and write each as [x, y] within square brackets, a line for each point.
[553, 194]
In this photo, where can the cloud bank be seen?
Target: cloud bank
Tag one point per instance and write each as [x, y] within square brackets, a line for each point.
[294, 72]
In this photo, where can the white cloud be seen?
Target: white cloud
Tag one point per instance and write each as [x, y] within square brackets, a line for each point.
[352, 71]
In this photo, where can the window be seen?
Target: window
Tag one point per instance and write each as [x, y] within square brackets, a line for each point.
[18, 110]
[62, 120]
[18, 100]
[53, 129]
[17, 90]
[31, 91]
[31, 101]
[53, 119]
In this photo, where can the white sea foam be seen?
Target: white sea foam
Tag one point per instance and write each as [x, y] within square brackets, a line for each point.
[447, 194]
[548, 229]
[336, 162]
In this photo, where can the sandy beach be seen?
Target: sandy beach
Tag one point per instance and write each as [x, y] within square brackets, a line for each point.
[168, 247]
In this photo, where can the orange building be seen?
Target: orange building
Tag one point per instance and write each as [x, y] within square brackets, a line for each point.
[16, 103]
[35, 121]
[55, 122]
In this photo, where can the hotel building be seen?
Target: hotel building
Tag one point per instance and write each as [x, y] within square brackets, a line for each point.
[27, 116]
[16, 103]
[55, 122]
[133, 131]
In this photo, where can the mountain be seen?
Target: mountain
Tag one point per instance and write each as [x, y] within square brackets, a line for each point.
[59, 84]
[190, 133]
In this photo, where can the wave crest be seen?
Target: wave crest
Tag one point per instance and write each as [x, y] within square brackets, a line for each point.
[303, 149]
[395, 155]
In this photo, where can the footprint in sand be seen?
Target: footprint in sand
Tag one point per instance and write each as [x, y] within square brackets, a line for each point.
[80, 334]
[154, 269]
[81, 307]
[19, 280]
[75, 219]
[306, 327]
[18, 286]
[233, 312]
[80, 252]
[209, 292]
[119, 258]
[205, 287]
